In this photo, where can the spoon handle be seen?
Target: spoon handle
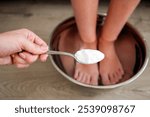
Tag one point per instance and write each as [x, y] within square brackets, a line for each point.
[60, 53]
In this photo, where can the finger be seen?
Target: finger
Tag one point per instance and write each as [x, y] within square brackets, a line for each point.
[43, 57]
[18, 60]
[28, 57]
[39, 41]
[30, 38]
[34, 48]
[36, 39]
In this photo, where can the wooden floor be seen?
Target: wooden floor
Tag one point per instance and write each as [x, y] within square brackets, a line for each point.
[41, 80]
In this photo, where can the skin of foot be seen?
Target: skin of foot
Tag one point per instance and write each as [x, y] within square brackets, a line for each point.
[110, 68]
[70, 41]
[85, 12]
[84, 73]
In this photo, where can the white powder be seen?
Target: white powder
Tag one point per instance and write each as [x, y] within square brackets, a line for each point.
[89, 56]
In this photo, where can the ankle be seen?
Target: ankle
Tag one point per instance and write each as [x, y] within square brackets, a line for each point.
[91, 40]
[107, 47]
[104, 42]
[89, 37]
[91, 45]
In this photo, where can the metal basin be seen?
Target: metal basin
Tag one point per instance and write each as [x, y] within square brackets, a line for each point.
[139, 44]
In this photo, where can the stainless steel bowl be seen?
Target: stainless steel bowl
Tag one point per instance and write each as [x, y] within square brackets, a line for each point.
[141, 52]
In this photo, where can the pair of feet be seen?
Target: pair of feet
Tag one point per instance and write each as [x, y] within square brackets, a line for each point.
[109, 70]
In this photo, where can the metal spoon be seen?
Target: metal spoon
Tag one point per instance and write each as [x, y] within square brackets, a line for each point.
[84, 56]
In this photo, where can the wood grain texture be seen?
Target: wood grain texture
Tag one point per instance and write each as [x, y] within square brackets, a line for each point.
[41, 80]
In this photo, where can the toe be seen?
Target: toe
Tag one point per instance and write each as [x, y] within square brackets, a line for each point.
[76, 74]
[94, 80]
[83, 78]
[87, 79]
[80, 77]
[119, 75]
[121, 71]
[112, 78]
[105, 79]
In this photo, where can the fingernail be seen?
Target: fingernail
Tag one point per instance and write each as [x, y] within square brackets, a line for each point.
[44, 48]
[22, 55]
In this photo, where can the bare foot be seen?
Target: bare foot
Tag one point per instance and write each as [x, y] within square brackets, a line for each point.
[84, 73]
[110, 68]
[70, 41]
[87, 74]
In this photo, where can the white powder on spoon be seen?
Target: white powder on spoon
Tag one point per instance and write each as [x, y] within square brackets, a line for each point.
[89, 56]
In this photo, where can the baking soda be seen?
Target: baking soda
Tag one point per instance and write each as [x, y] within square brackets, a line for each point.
[89, 56]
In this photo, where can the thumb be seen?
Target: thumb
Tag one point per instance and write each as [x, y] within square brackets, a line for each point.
[34, 48]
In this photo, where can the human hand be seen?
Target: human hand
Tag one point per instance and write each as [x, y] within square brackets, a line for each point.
[21, 48]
